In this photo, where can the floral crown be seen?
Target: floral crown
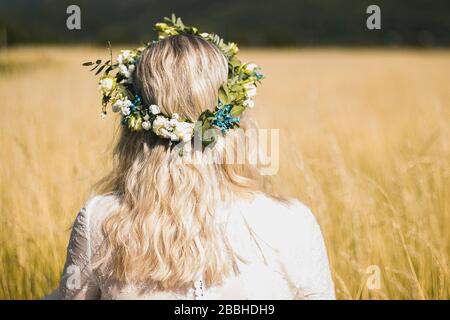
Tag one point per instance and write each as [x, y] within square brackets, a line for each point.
[117, 89]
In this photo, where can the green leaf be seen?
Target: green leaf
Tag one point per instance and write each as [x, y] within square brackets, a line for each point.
[180, 23]
[237, 110]
[206, 115]
[108, 70]
[208, 136]
[222, 91]
[235, 62]
[236, 88]
[105, 100]
[223, 96]
[100, 69]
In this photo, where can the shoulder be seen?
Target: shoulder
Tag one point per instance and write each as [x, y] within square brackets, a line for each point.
[283, 213]
[95, 210]
[280, 222]
[100, 203]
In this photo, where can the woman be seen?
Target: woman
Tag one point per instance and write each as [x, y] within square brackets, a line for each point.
[165, 228]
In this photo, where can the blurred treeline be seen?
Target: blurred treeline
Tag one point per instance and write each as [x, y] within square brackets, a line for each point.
[251, 22]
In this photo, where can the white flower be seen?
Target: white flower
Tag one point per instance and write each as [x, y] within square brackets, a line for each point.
[146, 125]
[250, 89]
[126, 60]
[204, 35]
[158, 123]
[126, 103]
[154, 109]
[183, 131]
[106, 84]
[126, 111]
[117, 106]
[126, 54]
[124, 71]
[249, 103]
[251, 93]
[250, 67]
[172, 129]
[163, 132]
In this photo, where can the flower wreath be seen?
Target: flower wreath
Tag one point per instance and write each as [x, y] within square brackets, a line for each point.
[118, 91]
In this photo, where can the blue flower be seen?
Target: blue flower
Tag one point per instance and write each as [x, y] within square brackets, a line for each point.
[224, 120]
[135, 104]
[137, 99]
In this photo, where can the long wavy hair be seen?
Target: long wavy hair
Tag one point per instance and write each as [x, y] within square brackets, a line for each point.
[165, 229]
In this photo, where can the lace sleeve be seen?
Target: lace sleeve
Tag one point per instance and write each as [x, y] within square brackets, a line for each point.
[305, 258]
[77, 280]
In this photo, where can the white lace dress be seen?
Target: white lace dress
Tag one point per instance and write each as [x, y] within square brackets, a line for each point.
[282, 243]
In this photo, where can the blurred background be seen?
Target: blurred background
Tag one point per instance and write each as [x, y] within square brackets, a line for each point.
[250, 23]
[364, 119]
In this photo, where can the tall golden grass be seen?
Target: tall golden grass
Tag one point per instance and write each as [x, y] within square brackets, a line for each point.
[365, 142]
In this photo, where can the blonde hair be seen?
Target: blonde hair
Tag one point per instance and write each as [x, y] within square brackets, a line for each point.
[166, 228]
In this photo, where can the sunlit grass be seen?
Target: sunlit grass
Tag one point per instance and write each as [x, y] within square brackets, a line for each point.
[365, 142]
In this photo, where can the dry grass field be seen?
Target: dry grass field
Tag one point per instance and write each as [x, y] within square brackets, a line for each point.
[365, 142]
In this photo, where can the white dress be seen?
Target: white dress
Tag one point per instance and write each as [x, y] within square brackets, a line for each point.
[282, 243]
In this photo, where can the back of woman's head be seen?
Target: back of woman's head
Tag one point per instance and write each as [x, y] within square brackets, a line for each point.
[182, 74]
[166, 229]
